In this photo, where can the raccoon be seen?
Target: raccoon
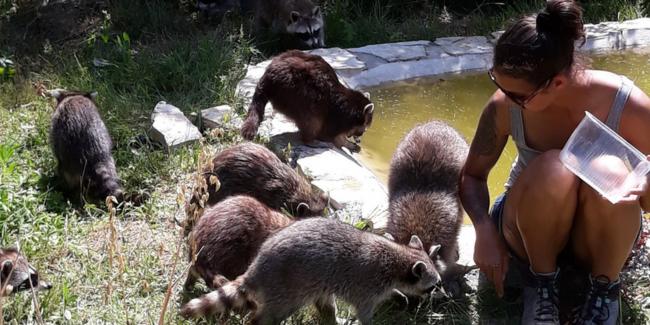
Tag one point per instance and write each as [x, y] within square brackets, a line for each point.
[313, 260]
[423, 185]
[228, 236]
[217, 8]
[299, 18]
[82, 147]
[252, 169]
[17, 274]
[306, 89]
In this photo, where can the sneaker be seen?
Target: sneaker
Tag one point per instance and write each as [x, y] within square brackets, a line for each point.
[541, 300]
[601, 305]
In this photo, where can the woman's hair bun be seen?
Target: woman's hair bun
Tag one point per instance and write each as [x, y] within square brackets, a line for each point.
[562, 18]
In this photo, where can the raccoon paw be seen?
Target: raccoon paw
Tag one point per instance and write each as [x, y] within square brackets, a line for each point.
[353, 147]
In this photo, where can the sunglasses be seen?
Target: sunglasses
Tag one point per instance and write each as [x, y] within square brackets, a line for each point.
[513, 97]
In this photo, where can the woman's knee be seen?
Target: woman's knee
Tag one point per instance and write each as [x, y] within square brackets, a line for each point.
[547, 174]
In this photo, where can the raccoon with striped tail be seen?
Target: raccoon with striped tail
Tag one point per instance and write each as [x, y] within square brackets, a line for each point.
[305, 89]
[315, 259]
[423, 185]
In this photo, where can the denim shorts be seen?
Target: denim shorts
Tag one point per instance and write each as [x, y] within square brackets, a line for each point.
[496, 214]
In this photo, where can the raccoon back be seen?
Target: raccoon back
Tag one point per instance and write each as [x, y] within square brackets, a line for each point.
[429, 158]
[252, 169]
[229, 234]
[81, 143]
[318, 256]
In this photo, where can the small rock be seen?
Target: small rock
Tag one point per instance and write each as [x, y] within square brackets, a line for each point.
[171, 128]
[220, 117]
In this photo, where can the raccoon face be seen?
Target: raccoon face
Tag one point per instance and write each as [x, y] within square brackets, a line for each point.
[423, 277]
[18, 274]
[366, 121]
[308, 29]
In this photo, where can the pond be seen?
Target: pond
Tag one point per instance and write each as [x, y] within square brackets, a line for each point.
[458, 99]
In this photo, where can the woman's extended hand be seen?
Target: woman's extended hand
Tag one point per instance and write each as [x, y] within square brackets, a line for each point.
[491, 255]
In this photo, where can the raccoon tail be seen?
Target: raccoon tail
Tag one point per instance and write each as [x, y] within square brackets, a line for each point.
[232, 296]
[255, 115]
[104, 182]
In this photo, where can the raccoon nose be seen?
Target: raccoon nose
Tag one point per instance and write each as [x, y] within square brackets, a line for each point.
[47, 285]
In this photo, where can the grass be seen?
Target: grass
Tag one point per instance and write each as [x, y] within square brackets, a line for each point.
[116, 267]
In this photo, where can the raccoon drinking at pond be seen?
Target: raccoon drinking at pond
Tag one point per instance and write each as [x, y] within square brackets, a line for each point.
[313, 260]
[252, 169]
[82, 147]
[306, 89]
[17, 274]
[299, 18]
[423, 185]
[228, 236]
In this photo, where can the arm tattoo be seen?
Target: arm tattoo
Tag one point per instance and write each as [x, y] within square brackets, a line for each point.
[486, 133]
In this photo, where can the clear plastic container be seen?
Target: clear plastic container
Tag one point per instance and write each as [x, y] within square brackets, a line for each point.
[603, 159]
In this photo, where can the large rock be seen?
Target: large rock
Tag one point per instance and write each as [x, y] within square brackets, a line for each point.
[352, 187]
[171, 128]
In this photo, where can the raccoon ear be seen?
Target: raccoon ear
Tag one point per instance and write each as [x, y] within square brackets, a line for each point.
[56, 94]
[93, 95]
[389, 237]
[433, 252]
[302, 209]
[419, 269]
[316, 11]
[6, 267]
[366, 94]
[416, 242]
[370, 107]
[294, 16]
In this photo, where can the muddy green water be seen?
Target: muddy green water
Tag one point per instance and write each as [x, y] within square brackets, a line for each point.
[459, 100]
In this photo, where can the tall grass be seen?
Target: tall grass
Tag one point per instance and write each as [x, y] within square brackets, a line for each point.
[115, 266]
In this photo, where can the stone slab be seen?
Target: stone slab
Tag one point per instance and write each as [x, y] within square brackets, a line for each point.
[220, 117]
[353, 188]
[171, 128]
[393, 53]
[397, 71]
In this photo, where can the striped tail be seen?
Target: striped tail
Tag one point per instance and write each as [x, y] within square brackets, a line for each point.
[255, 115]
[231, 296]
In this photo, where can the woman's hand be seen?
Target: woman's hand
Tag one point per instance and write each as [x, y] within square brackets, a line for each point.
[637, 191]
[491, 255]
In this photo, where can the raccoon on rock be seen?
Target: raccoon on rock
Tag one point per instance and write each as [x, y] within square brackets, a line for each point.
[312, 261]
[306, 89]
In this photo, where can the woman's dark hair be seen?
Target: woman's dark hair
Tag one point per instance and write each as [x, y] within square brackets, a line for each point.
[540, 46]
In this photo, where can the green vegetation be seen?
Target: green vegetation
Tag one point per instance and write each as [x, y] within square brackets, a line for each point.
[116, 268]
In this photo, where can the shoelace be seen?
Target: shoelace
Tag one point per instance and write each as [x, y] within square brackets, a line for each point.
[597, 311]
[547, 310]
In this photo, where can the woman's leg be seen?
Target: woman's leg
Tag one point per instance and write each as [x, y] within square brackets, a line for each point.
[602, 237]
[603, 233]
[539, 211]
